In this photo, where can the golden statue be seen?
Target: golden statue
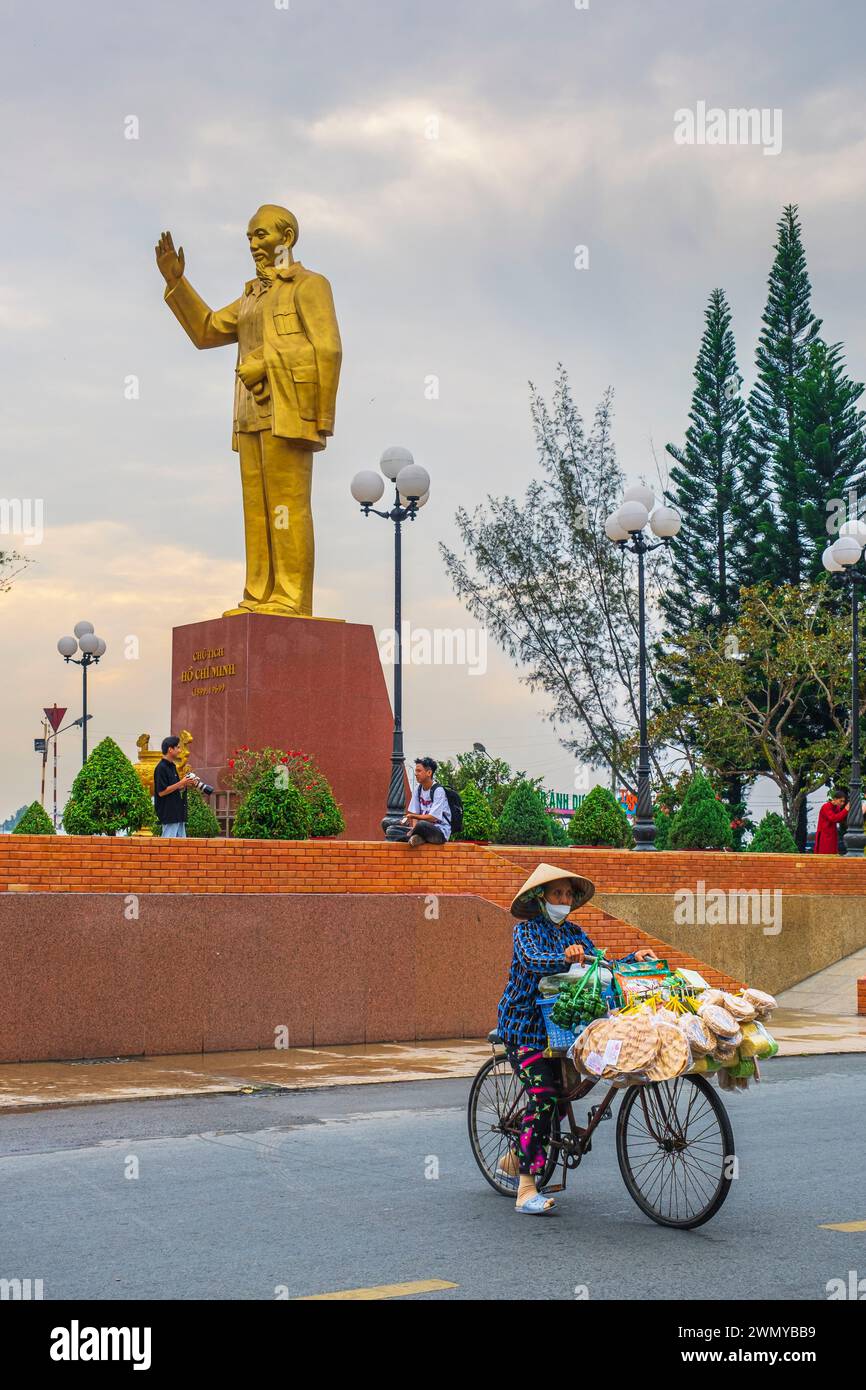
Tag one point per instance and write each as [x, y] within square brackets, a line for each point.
[289, 356]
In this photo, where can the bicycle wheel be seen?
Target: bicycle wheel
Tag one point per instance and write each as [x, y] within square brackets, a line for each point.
[495, 1113]
[675, 1144]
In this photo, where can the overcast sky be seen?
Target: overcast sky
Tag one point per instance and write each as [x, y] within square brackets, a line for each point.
[449, 256]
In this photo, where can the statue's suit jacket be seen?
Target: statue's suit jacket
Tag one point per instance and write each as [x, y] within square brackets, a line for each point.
[302, 349]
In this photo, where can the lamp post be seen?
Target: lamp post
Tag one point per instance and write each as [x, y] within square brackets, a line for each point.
[840, 558]
[412, 489]
[625, 528]
[91, 648]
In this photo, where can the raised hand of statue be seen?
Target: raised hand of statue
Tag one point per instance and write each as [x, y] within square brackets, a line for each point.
[170, 262]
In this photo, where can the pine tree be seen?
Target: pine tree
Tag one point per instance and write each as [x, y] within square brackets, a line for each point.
[782, 360]
[830, 441]
[704, 582]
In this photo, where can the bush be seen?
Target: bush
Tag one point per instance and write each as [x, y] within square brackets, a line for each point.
[662, 820]
[772, 837]
[479, 822]
[107, 795]
[702, 822]
[201, 822]
[35, 821]
[600, 820]
[271, 811]
[524, 819]
[247, 767]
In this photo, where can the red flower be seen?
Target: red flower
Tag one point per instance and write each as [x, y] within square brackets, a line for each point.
[231, 762]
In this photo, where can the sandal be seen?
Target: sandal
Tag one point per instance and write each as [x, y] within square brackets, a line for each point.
[537, 1205]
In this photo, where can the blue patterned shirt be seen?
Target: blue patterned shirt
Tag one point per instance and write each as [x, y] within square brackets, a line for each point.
[539, 949]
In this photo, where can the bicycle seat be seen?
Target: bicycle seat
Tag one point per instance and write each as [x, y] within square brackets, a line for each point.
[493, 1037]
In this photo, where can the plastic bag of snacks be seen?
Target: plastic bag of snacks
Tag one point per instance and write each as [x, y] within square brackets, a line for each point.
[718, 1020]
[617, 1048]
[697, 1035]
[757, 1042]
[763, 1003]
[740, 1009]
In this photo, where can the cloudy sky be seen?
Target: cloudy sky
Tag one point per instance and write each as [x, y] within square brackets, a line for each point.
[450, 256]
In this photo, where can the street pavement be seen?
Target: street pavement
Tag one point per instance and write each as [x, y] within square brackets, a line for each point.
[304, 1193]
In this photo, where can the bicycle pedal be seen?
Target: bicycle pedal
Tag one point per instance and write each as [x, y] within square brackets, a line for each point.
[593, 1111]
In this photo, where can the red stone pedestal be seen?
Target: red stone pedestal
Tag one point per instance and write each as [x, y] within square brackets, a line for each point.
[305, 683]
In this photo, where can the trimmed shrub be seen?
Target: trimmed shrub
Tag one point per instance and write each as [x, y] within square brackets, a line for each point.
[35, 821]
[524, 819]
[271, 811]
[107, 795]
[248, 766]
[600, 820]
[479, 822]
[662, 820]
[772, 837]
[702, 822]
[201, 822]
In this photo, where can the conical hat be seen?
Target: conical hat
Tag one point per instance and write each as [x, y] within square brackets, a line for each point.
[524, 906]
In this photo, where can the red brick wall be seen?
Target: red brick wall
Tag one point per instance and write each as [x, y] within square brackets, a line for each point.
[861, 996]
[92, 864]
[625, 871]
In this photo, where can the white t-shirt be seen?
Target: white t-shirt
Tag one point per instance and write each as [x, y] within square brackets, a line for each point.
[433, 803]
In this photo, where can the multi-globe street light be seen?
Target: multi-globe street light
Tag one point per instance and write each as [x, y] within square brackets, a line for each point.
[91, 648]
[841, 558]
[625, 527]
[412, 489]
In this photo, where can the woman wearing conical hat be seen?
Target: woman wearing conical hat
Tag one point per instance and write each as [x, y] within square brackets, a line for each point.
[545, 943]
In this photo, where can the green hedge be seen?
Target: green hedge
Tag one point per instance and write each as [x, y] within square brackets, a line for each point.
[772, 837]
[600, 820]
[35, 821]
[524, 819]
[702, 822]
[107, 795]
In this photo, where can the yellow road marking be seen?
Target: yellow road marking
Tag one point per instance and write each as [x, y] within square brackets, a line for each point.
[383, 1290]
[845, 1226]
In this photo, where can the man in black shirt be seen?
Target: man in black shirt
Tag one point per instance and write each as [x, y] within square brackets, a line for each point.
[169, 791]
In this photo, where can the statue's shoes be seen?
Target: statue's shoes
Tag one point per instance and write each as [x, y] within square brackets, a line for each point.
[280, 609]
[246, 605]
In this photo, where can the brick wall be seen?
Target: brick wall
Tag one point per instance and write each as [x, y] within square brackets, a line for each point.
[93, 864]
[624, 871]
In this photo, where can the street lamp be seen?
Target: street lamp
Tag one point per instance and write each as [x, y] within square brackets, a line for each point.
[840, 558]
[91, 648]
[625, 528]
[412, 489]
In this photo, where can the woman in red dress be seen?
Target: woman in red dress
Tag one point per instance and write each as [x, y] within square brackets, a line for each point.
[830, 817]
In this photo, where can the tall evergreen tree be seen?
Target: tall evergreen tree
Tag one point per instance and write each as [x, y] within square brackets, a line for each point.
[830, 440]
[782, 360]
[704, 581]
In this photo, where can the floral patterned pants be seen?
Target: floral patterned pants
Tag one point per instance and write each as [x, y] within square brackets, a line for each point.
[540, 1078]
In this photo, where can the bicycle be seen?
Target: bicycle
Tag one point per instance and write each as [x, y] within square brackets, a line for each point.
[674, 1141]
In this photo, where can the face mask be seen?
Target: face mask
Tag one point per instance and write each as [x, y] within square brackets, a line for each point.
[557, 912]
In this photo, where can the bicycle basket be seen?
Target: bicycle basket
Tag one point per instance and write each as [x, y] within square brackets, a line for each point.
[559, 1039]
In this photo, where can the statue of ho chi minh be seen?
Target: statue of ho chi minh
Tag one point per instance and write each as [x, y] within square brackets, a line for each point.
[289, 356]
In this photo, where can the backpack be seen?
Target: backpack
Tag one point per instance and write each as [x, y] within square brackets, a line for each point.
[455, 805]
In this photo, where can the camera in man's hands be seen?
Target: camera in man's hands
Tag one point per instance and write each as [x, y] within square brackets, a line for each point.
[204, 787]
